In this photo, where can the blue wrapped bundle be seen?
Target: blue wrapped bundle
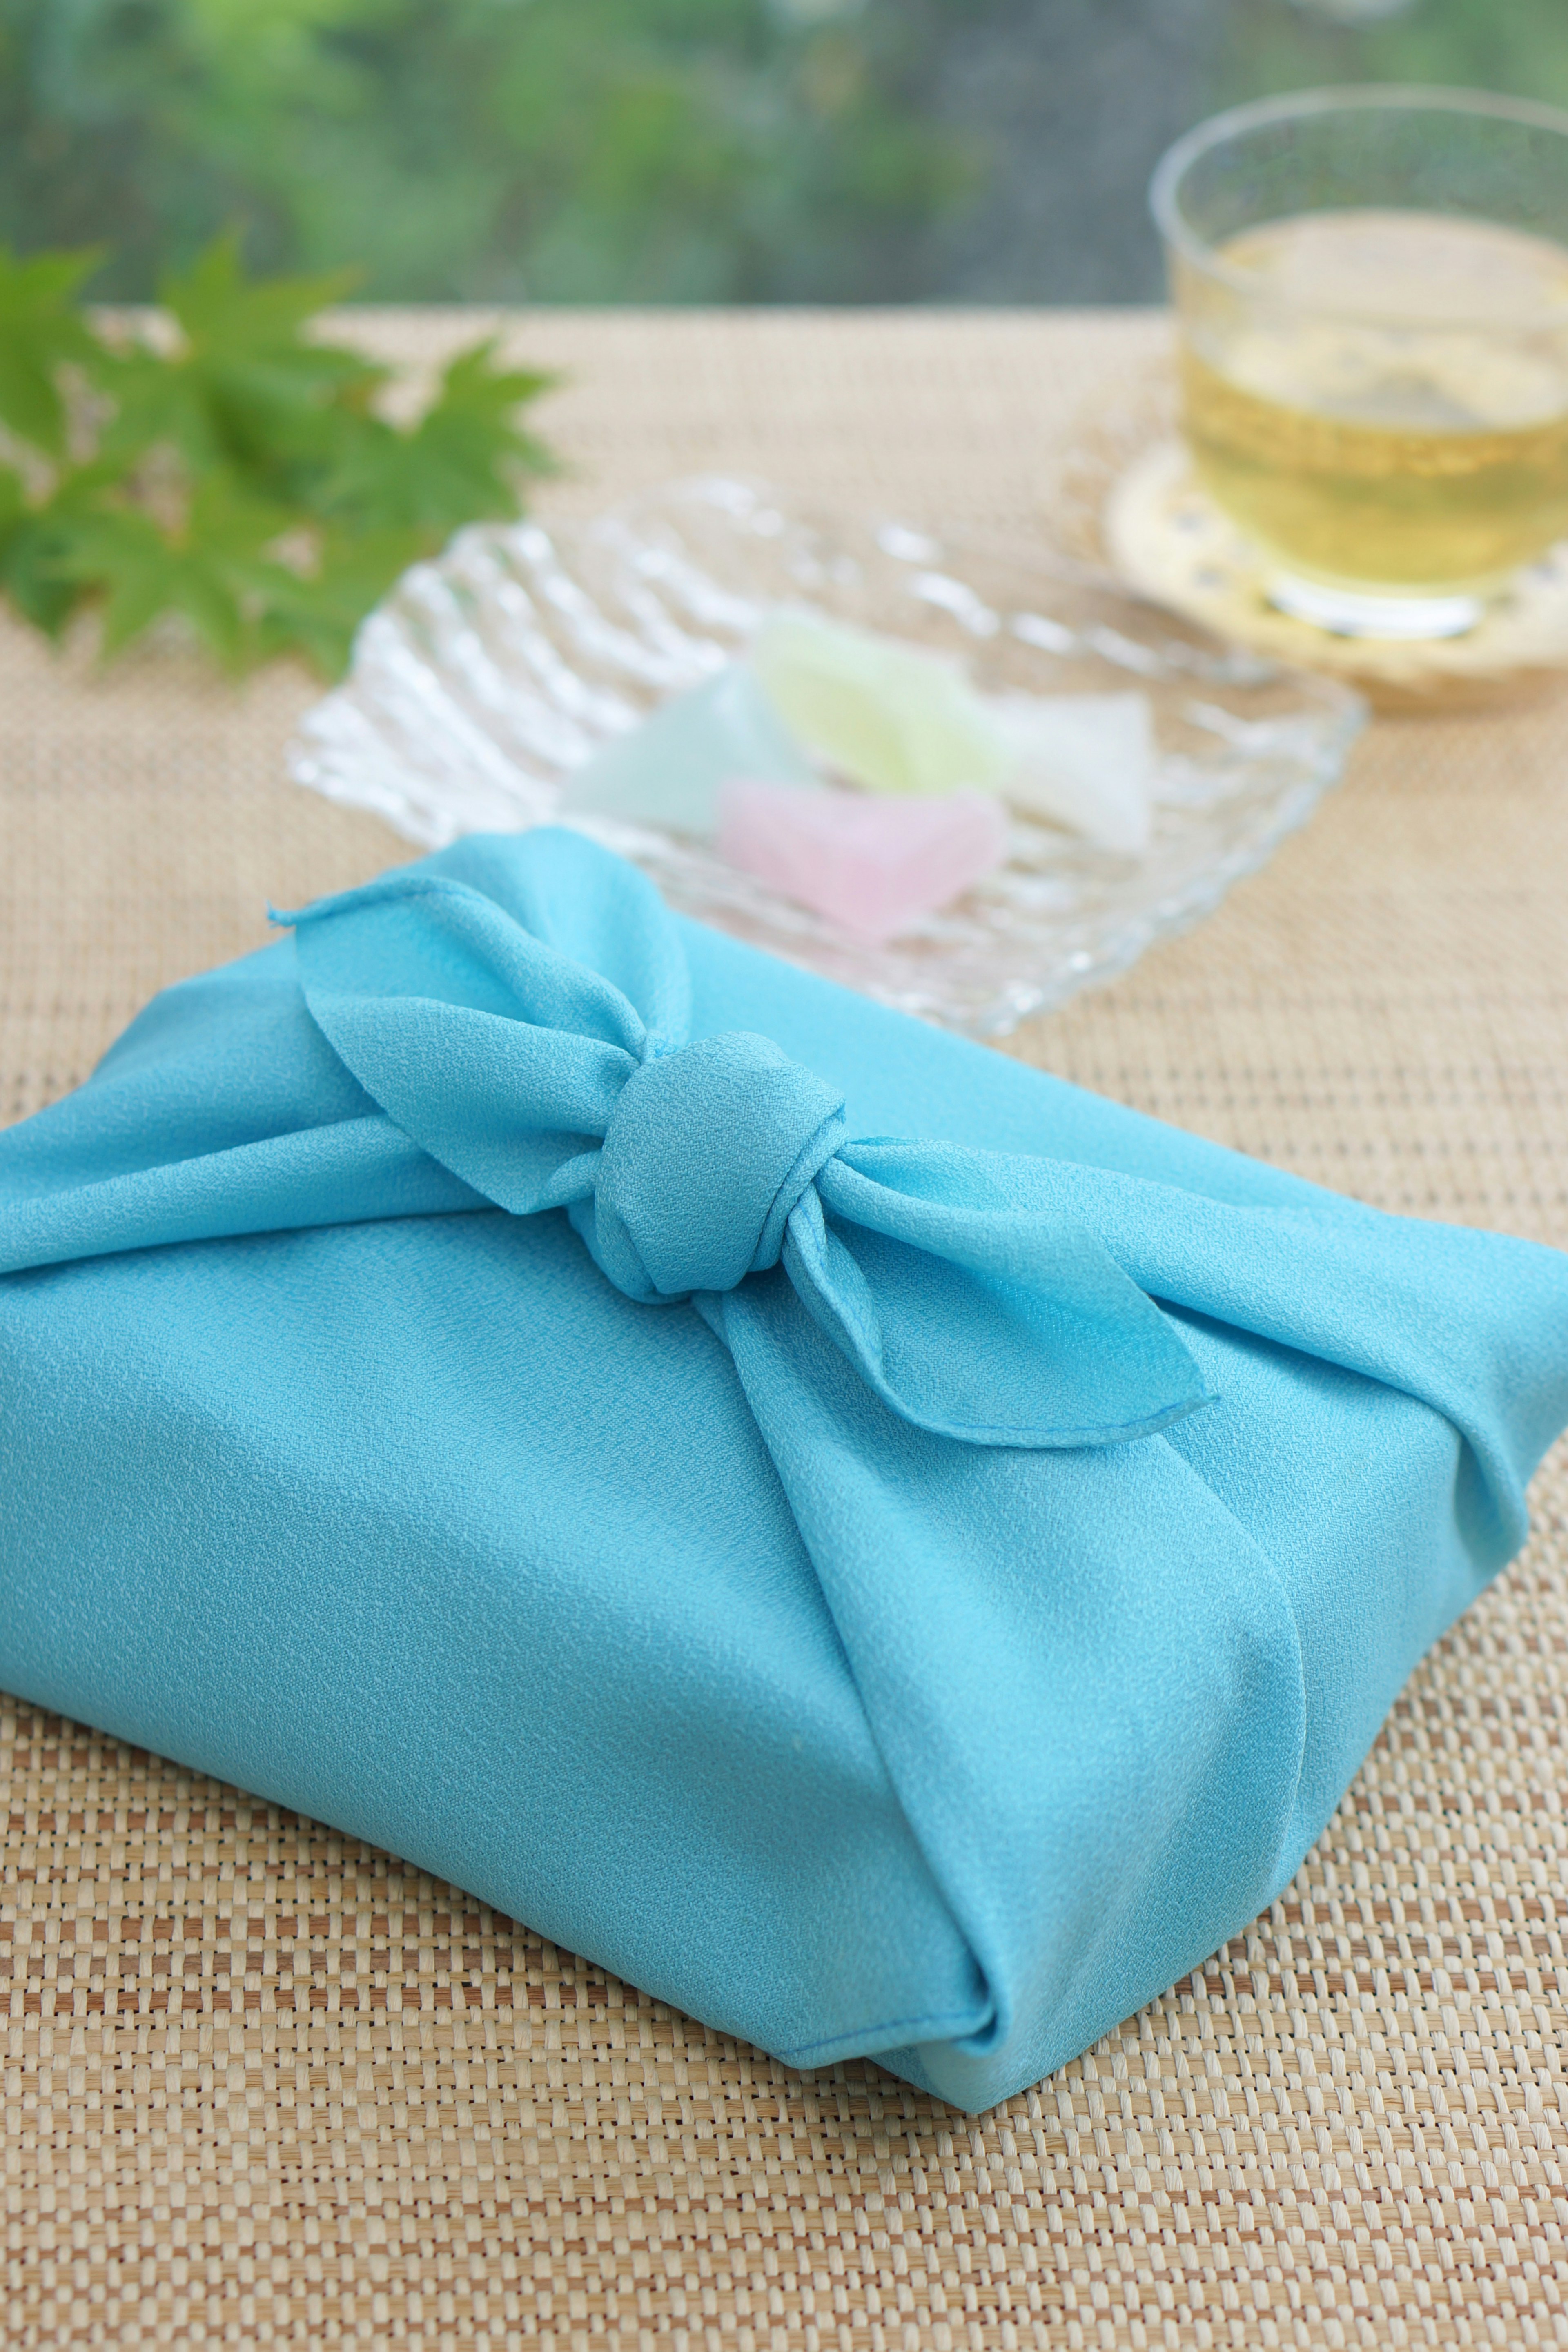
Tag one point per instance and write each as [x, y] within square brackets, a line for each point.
[885, 1551]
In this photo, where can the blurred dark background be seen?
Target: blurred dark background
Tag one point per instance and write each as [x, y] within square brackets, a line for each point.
[674, 151]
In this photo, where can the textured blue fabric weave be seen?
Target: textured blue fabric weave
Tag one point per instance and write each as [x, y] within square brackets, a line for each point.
[885, 1550]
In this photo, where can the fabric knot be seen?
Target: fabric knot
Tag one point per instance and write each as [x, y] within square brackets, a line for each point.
[708, 1151]
[516, 1016]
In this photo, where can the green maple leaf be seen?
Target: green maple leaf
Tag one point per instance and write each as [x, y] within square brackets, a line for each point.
[244, 390]
[318, 614]
[14, 519]
[124, 556]
[224, 312]
[215, 571]
[13, 506]
[40, 333]
[35, 538]
[465, 457]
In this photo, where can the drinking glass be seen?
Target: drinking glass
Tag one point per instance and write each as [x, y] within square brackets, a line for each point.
[1371, 289]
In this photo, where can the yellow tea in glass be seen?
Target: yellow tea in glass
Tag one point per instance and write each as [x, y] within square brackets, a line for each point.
[1372, 294]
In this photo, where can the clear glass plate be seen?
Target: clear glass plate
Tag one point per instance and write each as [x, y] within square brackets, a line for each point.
[489, 674]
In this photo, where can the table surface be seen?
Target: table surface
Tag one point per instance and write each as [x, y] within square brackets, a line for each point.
[264, 2083]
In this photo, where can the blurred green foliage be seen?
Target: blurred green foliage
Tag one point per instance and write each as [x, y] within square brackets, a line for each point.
[480, 149]
[670, 150]
[1519, 47]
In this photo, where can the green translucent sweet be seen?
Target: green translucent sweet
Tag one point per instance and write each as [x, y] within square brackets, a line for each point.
[884, 715]
[668, 771]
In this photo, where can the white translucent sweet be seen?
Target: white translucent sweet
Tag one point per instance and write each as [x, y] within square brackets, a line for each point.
[668, 771]
[883, 715]
[1087, 761]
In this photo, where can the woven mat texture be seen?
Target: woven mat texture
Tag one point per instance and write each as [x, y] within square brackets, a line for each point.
[265, 2086]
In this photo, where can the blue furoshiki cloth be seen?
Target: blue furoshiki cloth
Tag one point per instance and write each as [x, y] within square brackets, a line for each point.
[882, 1550]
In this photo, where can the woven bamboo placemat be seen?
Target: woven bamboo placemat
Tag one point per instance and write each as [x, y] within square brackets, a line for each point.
[263, 2084]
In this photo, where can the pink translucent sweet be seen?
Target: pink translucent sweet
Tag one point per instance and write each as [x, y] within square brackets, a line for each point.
[873, 866]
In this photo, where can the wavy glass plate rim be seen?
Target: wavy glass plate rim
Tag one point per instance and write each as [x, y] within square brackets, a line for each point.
[490, 671]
